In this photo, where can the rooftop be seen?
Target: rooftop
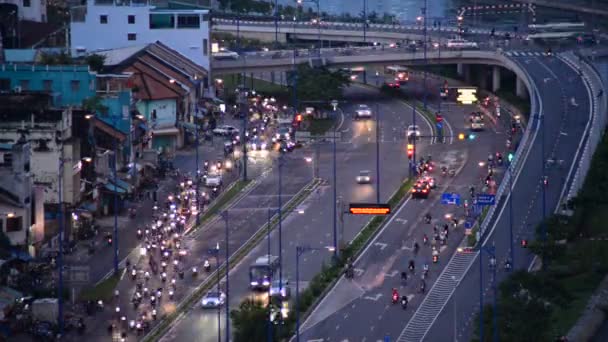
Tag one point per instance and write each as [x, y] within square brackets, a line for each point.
[20, 55]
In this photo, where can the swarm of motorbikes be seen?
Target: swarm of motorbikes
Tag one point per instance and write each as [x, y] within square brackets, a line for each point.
[157, 273]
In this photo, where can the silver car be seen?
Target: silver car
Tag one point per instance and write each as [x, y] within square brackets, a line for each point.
[364, 177]
[213, 299]
[283, 292]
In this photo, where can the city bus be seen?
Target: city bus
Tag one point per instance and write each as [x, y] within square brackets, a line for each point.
[261, 271]
[555, 31]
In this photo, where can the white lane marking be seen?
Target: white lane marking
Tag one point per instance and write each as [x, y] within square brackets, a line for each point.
[402, 221]
[358, 271]
[381, 245]
[373, 298]
[392, 274]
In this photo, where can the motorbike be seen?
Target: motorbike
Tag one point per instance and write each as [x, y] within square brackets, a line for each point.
[133, 274]
[395, 297]
[194, 272]
[422, 287]
[139, 234]
[207, 266]
[404, 302]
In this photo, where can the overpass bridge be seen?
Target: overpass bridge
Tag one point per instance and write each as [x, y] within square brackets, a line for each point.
[495, 60]
[338, 31]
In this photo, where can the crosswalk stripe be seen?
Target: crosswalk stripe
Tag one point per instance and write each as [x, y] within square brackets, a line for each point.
[437, 298]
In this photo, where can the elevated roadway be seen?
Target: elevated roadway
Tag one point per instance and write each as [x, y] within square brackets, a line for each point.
[339, 31]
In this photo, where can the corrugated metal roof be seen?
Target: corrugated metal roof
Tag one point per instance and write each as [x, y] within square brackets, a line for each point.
[117, 56]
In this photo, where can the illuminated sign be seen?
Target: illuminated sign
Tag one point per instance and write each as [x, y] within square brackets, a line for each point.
[467, 95]
[215, 47]
[369, 209]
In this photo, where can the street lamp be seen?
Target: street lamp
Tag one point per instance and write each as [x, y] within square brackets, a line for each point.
[216, 253]
[456, 283]
[300, 250]
[491, 251]
[311, 161]
[315, 21]
[271, 212]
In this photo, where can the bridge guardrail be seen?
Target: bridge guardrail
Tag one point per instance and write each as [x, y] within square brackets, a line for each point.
[598, 122]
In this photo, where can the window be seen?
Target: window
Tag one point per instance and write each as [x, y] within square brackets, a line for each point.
[24, 84]
[14, 224]
[188, 21]
[131, 19]
[162, 21]
[205, 48]
[103, 19]
[47, 85]
[131, 36]
[75, 84]
[26, 3]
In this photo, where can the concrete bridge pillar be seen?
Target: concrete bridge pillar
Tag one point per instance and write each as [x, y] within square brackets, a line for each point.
[520, 88]
[495, 78]
[464, 71]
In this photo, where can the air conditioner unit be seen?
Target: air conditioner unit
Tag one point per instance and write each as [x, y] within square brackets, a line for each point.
[17, 89]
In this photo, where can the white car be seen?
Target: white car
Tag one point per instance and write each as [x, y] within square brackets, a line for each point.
[213, 180]
[225, 130]
[283, 291]
[213, 299]
[363, 112]
[461, 44]
[364, 177]
[413, 131]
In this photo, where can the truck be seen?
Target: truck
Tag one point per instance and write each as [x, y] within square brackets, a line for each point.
[261, 271]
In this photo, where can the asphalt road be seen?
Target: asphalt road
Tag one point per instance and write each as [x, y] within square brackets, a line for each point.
[563, 128]
[184, 160]
[360, 309]
[355, 152]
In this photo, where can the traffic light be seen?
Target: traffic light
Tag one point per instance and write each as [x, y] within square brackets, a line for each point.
[435, 259]
[460, 136]
[524, 243]
[410, 151]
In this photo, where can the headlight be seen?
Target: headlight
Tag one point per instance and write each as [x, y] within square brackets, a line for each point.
[367, 179]
[263, 146]
[205, 302]
[265, 283]
[254, 283]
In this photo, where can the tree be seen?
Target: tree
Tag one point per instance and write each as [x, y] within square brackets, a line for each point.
[319, 84]
[250, 322]
[96, 62]
[94, 105]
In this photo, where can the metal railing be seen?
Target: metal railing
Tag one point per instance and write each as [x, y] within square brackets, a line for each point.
[592, 78]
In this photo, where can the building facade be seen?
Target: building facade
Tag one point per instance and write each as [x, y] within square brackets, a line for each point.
[128, 23]
[69, 85]
[16, 191]
[34, 10]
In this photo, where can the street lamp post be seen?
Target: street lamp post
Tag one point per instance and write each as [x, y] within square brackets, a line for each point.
[491, 250]
[456, 283]
[318, 22]
[300, 250]
[544, 184]
[115, 237]
[335, 190]
[60, 256]
[364, 21]
[216, 253]
[424, 14]
[227, 322]
[198, 172]
[377, 153]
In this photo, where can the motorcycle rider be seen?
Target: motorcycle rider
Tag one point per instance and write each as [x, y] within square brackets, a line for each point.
[395, 296]
[411, 266]
[404, 302]
[427, 218]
